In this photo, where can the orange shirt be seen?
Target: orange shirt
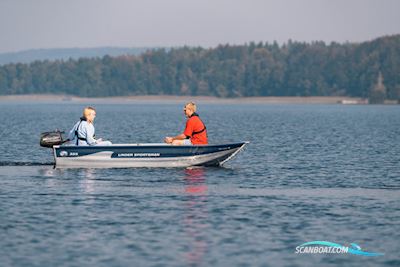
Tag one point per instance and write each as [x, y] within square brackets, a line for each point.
[193, 125]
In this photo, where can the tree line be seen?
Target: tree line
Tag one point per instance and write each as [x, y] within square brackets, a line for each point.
[253, 69]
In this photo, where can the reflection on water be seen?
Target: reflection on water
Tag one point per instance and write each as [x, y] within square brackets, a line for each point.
[48, 172]
[88, 181]
[84, 177]
[195, 220]
[195, 181]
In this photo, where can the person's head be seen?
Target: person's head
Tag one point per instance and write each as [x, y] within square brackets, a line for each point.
[89, 113]
[189, 109]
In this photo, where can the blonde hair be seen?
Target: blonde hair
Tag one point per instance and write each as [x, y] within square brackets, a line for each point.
[191, 105]
[87, 111]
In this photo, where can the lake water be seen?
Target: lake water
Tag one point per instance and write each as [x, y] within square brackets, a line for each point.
[311, 172]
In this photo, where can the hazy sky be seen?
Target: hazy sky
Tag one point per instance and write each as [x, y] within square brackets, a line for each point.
[27, 24]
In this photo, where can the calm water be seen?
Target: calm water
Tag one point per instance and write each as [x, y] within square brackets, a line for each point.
[311, 172]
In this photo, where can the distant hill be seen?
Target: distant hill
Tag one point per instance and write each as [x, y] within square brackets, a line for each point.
[254, 69]
[28, 56]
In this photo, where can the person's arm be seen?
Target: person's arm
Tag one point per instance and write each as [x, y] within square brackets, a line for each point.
[179, 137]
[186, 134]
[89, 134]
[169, 139]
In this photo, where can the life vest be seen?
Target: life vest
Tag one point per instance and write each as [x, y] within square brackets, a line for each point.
[202, 130]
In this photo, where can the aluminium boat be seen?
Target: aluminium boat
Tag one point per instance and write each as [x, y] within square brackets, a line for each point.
[144, 155]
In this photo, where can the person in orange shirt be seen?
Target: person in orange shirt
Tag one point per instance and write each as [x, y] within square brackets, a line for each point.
[195, 132]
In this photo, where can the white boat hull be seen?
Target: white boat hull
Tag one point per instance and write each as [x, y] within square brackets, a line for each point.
[144, 155]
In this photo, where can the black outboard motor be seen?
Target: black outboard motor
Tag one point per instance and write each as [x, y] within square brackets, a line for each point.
[50, 139]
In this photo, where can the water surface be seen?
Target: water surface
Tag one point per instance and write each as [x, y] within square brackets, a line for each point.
[311, 172]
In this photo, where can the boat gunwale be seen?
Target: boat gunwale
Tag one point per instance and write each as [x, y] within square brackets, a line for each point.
[152, 145]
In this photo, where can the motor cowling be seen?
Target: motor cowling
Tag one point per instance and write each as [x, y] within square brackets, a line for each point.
[50, 139]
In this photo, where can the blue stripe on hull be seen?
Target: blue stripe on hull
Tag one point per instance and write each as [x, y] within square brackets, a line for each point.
[143, 151]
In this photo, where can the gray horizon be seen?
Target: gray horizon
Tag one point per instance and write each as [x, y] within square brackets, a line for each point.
[44, 24]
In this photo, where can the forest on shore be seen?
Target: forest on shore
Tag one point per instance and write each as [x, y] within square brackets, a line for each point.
[253, 69]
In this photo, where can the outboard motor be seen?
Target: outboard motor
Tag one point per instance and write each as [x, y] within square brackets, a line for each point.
[50, 139]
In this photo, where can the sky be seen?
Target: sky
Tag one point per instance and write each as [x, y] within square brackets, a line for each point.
[35, 24]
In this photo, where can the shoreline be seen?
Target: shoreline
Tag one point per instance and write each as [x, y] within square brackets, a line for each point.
[184, 99]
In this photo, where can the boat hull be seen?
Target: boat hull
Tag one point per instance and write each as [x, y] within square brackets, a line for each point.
[144, 155]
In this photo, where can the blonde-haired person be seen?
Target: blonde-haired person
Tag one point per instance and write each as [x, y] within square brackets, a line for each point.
[82, 134]
[195, 132]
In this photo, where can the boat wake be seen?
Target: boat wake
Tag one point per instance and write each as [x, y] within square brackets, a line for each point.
[24, 163]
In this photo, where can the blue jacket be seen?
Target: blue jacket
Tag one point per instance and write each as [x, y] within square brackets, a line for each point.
[85, 130]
